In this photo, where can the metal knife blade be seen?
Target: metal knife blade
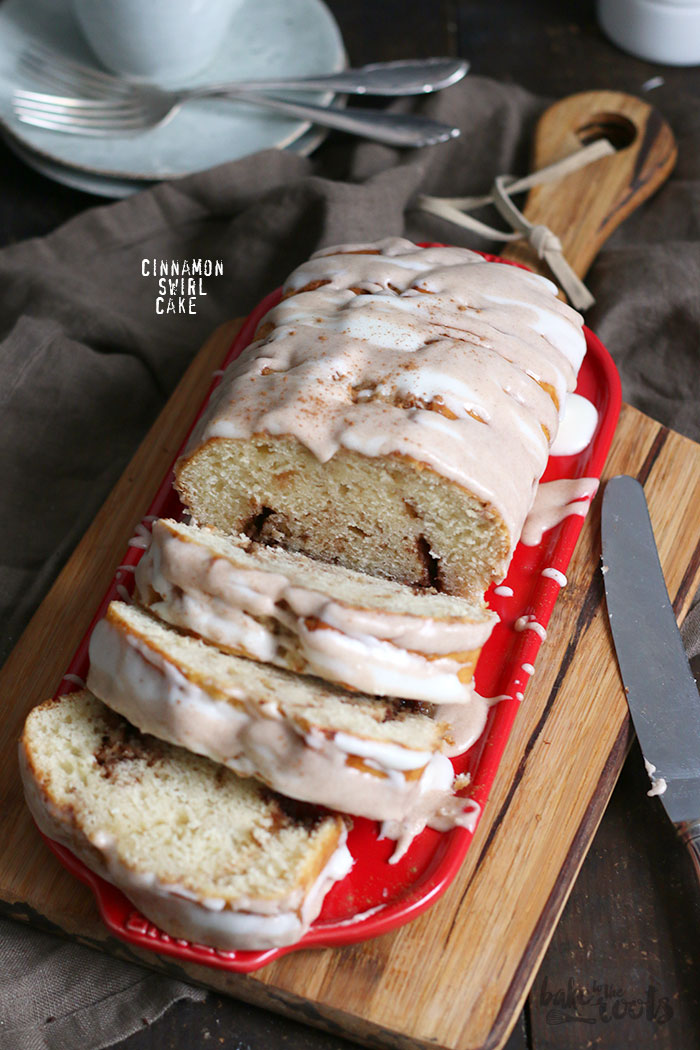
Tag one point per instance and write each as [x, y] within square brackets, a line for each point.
[663, 698]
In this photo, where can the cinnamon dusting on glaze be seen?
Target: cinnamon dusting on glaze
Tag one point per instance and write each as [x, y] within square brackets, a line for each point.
[494, 350]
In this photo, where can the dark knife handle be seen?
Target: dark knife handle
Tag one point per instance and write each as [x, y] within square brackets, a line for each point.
[689, 831]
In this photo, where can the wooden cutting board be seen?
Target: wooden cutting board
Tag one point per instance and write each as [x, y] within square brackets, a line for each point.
[457, 976]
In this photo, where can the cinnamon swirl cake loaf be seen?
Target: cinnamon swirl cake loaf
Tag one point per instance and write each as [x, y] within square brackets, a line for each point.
[394, 414]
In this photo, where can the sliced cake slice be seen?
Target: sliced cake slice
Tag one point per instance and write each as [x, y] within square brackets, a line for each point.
[205, 855]
[382, 759]
[284, 608]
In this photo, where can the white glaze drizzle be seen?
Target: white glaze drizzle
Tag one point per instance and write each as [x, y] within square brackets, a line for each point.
[360, 916]
[457, 812]
[556, 575]
[529, 623]
[554, 501]
[466, 723]
[385, 756]
[577, 426]
[74, 679]
[141, 538]
[381, 668]
[505, 592]
[658, 784]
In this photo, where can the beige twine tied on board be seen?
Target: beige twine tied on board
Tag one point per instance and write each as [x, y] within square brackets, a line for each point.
[544, 242]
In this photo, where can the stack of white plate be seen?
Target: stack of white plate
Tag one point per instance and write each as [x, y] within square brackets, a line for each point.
[266, 38]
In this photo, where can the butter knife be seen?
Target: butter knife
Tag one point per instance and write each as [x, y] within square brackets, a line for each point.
[661, 692]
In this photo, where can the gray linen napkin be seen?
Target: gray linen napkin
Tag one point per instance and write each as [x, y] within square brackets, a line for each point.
[86, 362]
[62, 996]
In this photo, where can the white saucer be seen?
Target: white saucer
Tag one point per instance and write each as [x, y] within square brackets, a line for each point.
[104, 186]
[287, 37]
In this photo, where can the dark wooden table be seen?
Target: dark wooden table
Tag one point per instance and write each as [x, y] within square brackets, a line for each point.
[623, 967]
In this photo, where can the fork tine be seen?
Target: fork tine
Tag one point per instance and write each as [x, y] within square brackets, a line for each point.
[81, 117]
[84, 126]
[95, 131]
[64, 103]
[71, 121]
[39, 56]
[59, 82]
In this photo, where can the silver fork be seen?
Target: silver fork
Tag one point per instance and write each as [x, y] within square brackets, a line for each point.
[405, 77]
[144, 107]
[128, 108]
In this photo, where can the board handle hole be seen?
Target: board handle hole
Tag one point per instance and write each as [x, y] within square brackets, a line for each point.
[618, 130]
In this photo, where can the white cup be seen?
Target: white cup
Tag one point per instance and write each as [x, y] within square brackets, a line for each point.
[665, 31]
[164, 40]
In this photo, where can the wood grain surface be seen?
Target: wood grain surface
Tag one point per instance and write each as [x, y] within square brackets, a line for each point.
[586, 207]
[458, 975]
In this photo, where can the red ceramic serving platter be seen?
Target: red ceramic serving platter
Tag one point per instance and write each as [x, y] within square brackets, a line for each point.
[378, 896]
